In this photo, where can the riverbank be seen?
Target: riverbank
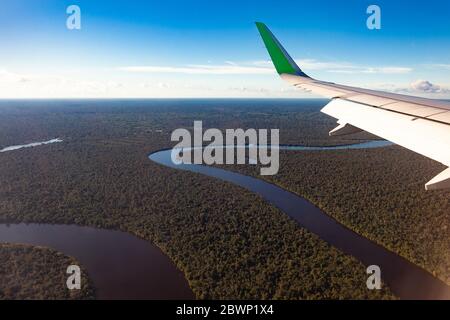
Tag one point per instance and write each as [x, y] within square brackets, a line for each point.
[405, 279]
[120, 265]
[39, 273]
[229, 243]
[386, 203]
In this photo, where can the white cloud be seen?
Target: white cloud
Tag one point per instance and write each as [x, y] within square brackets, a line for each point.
[22, 78]
[42, 85]
[163, 85]
[6, 76]
[312, 64]
[250, 90]
[346, 67]
[201, 69]
[112, 82]
[427, 87]
[418, 87]
[439, 65]
[266, 67]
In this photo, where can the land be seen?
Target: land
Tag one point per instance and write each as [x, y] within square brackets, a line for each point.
[228, 242]
[378, 193]
[38, 273]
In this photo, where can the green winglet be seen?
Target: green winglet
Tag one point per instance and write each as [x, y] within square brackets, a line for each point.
[282, 61]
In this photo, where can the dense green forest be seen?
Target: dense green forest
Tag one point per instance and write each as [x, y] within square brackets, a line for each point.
[380, 194]
[228, 242]
[38, 273]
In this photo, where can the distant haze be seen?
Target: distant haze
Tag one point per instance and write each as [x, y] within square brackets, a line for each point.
[158, 49]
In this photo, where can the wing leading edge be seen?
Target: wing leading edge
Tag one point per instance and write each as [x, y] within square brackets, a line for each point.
[419, 124]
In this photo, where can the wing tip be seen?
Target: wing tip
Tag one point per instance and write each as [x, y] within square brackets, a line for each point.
[281, 59]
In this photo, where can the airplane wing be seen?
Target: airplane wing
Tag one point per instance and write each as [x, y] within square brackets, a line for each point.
[419, 124]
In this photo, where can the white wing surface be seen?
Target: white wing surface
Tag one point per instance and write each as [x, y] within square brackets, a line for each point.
[419, 124]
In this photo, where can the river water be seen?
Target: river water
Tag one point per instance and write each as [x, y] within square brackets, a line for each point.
[123, 266]
[120, 265]
[405, 279]
[30, 145]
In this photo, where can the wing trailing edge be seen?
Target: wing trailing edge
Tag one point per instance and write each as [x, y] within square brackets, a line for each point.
[419, 124]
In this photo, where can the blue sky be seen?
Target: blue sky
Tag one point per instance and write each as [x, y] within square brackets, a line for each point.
[212, 48]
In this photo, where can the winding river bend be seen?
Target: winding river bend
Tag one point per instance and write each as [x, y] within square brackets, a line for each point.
[123, 266]
[404, 278]
[120, 265]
